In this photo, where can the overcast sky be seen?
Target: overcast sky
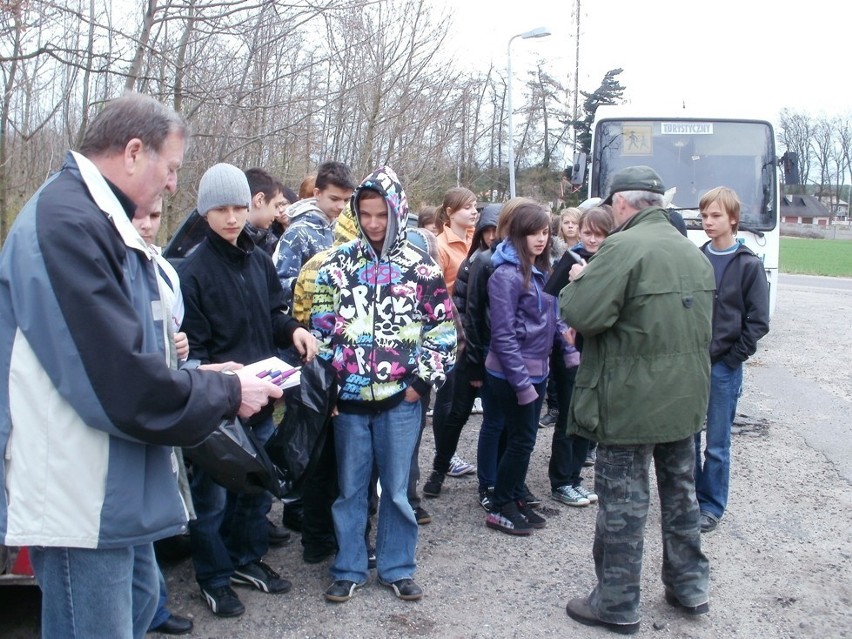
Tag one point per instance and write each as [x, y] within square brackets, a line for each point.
[757, 55]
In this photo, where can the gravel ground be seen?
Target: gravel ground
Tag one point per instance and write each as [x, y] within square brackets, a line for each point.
[780, 559]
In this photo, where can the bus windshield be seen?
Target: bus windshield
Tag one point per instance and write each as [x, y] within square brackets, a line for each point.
[694, 156]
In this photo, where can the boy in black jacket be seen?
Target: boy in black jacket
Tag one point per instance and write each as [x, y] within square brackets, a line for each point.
[740, 318]
[234, 313]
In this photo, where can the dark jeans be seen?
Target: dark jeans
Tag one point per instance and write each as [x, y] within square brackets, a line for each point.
[492, 436]
[521, 430]
[447, 425]
[230, 529]
[553, 397]
[622, 484]
[567, 452]
[319, 492]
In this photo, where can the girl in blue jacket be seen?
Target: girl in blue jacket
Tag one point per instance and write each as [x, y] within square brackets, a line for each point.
[524, 325]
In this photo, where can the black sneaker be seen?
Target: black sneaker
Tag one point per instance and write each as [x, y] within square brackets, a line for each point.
[432, 487]
[509, 520]
[278, 535]
[223, 602]
[292, 516]
[533, 518]
[708, 522]
[404, 589]
[371, 558]
[549, 418]
[422, 516]
[531, 499]
[317, 553]
[262, 577]
[591, 457]
[341, 590]
[486, 499]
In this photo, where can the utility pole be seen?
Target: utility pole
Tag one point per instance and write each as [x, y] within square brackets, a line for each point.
[576, 75]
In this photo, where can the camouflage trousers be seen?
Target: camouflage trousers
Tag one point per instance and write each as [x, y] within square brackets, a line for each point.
[622, 484]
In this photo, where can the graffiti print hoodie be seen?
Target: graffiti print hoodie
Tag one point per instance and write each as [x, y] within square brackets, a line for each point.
[383, 319]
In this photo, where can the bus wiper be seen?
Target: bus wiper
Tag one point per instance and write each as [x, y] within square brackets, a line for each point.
[757, 232]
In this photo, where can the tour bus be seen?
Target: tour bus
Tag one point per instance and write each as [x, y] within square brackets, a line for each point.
[693, 153]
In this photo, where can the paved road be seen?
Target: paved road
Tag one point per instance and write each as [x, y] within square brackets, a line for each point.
[813, 315]
[786, 280]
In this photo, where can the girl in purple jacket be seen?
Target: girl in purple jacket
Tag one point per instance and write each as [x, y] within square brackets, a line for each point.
[524, 325]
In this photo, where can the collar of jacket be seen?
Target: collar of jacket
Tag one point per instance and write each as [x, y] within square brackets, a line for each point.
[236, 255]
[643, 215]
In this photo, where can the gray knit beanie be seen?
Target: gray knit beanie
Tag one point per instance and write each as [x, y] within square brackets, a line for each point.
[223, 185]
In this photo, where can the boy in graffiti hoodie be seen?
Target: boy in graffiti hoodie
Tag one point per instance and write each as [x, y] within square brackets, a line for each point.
[383, 317]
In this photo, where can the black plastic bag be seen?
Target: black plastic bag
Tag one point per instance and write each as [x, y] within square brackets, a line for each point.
[234, 458]
[297, 442]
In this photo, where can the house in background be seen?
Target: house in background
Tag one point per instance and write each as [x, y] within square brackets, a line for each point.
[839, 208]
[804, 209]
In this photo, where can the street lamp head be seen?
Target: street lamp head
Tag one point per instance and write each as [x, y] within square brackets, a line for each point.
[538, 32]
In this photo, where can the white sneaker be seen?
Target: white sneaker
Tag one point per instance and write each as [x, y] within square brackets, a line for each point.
[477, 407]
[459, 467]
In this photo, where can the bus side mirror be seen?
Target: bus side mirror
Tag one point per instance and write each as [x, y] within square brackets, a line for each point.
[578, 170]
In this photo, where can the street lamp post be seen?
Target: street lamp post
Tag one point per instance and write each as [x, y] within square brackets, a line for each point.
[538, 32]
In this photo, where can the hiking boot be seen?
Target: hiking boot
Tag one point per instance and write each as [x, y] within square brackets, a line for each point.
[579, 611]
[341, 590]
[568, 495]
[533, 518]
[591, 495]
[509, 520]
[700, 609]
[486, 498]
[432, 487]
[708, 522]
[260, 576]
[531, 499]
[405, 589]
[549, 418]
[278, 535]
[422, 516]
[459, 467]
[223, 602]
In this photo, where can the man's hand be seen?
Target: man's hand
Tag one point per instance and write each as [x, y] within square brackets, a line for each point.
[255, 393]
[305, 343]
[476, 383]
[576, 271]
[411, 395]
[221, 367]
[181, 346]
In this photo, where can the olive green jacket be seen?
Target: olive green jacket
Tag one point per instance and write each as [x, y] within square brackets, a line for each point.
[643, 306]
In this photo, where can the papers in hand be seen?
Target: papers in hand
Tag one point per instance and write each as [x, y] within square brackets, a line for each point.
[277, 371]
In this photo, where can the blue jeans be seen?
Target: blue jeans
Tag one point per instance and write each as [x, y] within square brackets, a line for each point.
[521, 430]
[230, 529]
[387, 440]
[90, 593]
[162, 613]
[492, 436]
[623, 487]
[712, 478]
